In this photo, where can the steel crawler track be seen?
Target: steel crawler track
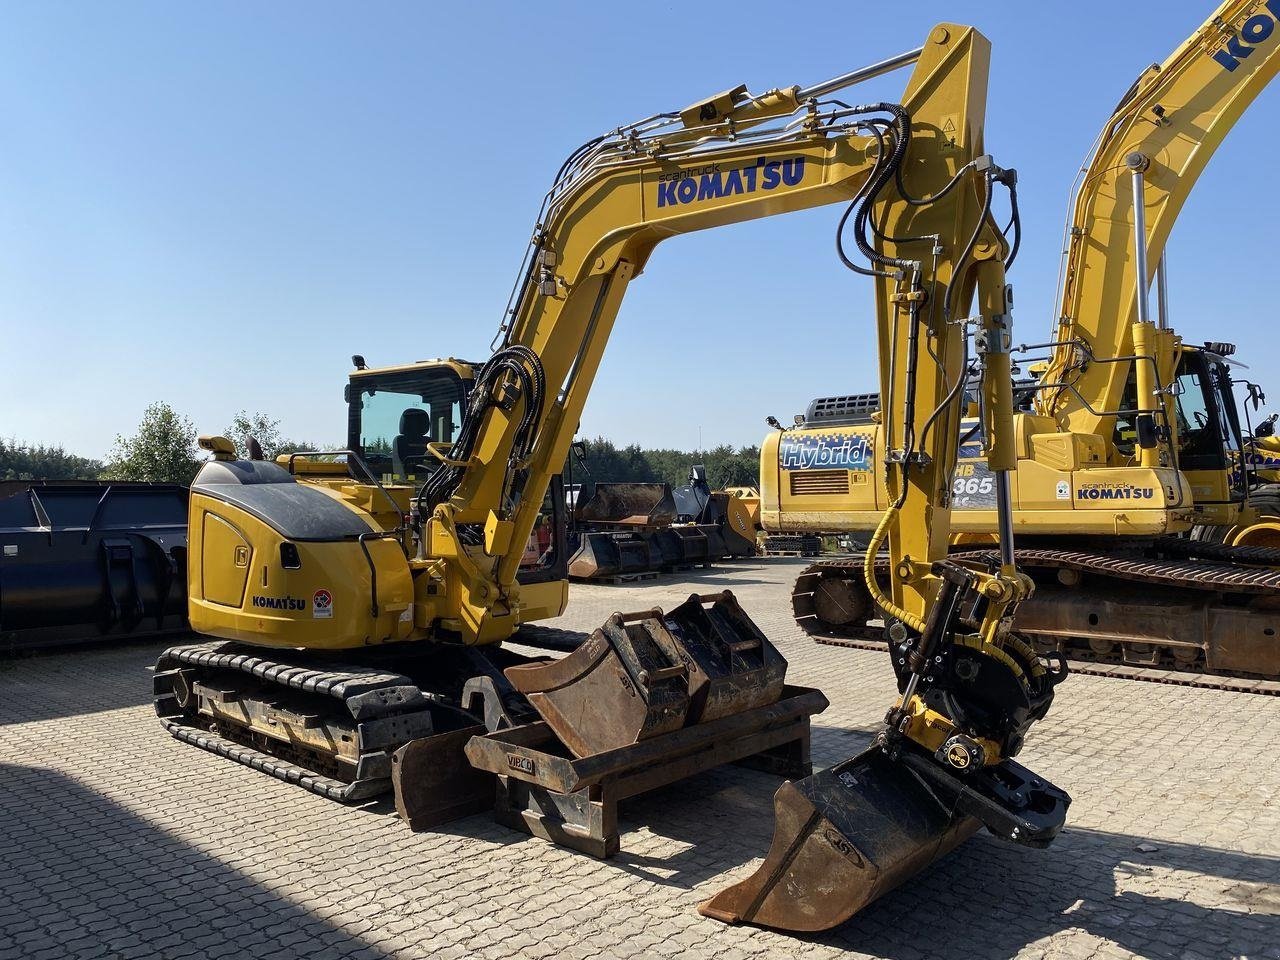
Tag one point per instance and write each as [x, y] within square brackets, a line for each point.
[370, 710]
[1117, 671]
[1185, 565]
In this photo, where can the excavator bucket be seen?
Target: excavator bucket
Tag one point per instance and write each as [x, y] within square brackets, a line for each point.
[89, 561]
[619, 687]
[649, 673]
[630, 505]
[630, 528]
[688, 542]
[848, 835]
[731, 665]
[619, 523]
[606, 553]
[842, 838]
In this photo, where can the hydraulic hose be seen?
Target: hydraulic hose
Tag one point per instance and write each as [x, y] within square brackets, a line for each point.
[869, 574]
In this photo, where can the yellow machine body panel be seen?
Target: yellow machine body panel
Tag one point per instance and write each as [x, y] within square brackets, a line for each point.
[827, 479]
[258, 584]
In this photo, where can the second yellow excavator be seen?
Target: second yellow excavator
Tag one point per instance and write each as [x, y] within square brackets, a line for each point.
[1152, 546]
[354, 628]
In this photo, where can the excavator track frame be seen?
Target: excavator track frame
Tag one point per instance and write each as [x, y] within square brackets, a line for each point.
[1225, 571]
[277, 717]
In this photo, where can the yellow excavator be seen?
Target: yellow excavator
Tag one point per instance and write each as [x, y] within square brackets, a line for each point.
[1151, 546]
[355, 628]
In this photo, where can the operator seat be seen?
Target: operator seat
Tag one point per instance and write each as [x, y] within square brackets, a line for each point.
[409, 449]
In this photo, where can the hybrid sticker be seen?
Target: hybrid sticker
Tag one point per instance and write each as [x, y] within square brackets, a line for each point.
[1114, 491]
[278, 603]
[322, 604]
[1064, 490]
[712, 183]
[828, 451]
[1257, 29]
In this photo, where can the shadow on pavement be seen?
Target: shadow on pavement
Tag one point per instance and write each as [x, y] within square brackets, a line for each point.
[84, 877]
[989, 898]
[49, 685]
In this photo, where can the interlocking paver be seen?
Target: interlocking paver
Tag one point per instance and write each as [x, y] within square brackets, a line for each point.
[118, 841]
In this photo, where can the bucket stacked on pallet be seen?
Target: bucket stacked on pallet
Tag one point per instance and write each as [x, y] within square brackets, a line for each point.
[649, 673]
[650, 698]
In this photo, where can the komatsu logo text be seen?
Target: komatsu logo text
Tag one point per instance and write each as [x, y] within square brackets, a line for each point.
[278, 603]
[1253, 31]
[712, 183]
[1115, 491]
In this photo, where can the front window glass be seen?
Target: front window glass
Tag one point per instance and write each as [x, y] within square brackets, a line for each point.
[400, 415]
[1200, 443]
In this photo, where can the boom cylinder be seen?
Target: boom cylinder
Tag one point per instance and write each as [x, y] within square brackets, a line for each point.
[1144, 338]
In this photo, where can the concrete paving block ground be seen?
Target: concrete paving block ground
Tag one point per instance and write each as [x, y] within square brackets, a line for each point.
[117, 841]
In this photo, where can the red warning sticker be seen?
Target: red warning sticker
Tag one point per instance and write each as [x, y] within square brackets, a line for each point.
[322, 604]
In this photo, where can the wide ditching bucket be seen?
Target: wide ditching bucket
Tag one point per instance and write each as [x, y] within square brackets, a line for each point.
[848, 835]
[640, 505]
[649, 673]
[89, 561]
[618, 525]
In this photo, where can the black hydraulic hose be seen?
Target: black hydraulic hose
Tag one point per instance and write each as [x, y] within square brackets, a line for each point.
[881, 171]
[1015, 220]
[523, 364]
[878, 127]
[882, 174]
[909, 401]
[946, 315]
[950, 398]
[935, 197]
[958, 270]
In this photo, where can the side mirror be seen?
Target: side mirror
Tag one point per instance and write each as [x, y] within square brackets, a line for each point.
[1148, 436]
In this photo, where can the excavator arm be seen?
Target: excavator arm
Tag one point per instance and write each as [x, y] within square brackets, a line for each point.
[1154, 147]
[919, 188]
[743, 158]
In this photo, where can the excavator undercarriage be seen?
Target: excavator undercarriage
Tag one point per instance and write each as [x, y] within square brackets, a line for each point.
[1172, 611]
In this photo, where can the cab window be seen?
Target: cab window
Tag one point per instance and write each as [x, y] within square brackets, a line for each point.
[394, 418]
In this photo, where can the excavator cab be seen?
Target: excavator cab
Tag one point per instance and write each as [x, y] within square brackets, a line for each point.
[393, 414]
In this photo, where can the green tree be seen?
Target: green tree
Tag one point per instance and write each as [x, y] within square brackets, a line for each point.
[29, 461]
[259, 426]
[726, 467]
[163, 450]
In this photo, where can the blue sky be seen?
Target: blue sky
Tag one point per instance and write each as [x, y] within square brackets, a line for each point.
[216, 204]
